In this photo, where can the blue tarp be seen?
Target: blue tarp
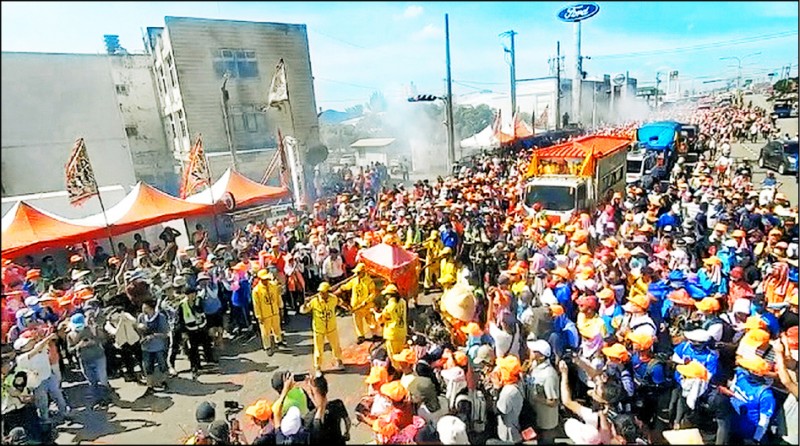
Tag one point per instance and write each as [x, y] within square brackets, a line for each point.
[662, 132]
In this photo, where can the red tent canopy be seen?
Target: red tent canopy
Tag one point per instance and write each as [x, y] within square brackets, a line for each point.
[144, 206]
[579, 148]
[245, 191]
[394, 264]
[26, 229]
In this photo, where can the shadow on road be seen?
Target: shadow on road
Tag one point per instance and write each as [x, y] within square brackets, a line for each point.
[147, 403]
[94, 425]
[183, 386]
[236, 366]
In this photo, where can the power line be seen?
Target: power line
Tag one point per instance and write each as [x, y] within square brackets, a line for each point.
[338, 39]
[704, 46]
[345, 83]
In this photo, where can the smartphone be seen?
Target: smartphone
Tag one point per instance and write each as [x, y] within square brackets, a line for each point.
[529, 434]
[300, 377]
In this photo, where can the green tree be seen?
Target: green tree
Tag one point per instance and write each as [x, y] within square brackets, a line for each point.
[469, 120]
[377, 103]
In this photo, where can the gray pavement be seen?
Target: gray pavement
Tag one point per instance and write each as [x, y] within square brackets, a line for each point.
[244, 375]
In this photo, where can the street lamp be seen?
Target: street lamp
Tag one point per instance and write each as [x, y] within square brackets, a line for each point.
[739, 64]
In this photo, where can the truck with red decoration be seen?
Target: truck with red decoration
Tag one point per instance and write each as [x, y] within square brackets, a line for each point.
[575, 176]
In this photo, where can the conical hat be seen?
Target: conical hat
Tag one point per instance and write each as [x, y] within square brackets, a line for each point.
[459, 302]
[683, 436]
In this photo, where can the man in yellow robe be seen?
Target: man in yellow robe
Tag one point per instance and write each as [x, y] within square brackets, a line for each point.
[362, 301]
[323, 325]
[267, 305]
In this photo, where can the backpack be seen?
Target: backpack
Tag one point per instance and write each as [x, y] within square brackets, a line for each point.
[477, 404]
[527, 416]
[669, 369]
[727, 329]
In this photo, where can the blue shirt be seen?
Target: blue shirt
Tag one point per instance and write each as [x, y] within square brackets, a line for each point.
[709, 358]
[668, 220]
[610, 329]
[241, 296]
[773, 326]
[657, 374]
[450, 239]
[563, 293]
[752, 401]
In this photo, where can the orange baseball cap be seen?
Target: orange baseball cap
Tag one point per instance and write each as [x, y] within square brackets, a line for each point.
[75, 258]
[260, 410]
[606, 294]
[693, 369]
[618, 352]
[33, 274]
[640, 300]
[707, 305]
[754, 323]
[641, 341]
[556, 310]
[755, 364]
[755, 338]
[377, 374]
[407, 355]
[561, 272]
[394, 391]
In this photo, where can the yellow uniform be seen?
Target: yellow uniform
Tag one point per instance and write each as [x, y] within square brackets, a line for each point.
[447, 267]
[362, 301]
[395, 327]
[323, 326]
[432, 248]
[518, 287]
[267, 304]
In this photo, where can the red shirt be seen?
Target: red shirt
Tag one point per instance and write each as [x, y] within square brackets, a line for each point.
[349, 254]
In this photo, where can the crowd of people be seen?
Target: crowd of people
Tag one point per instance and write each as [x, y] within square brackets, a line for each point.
[667, 308]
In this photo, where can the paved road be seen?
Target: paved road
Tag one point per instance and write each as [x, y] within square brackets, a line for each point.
[751, 152]
[244, 376]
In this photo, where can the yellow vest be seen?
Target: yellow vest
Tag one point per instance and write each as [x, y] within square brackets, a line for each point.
[323, 314]
[447, 267]
[395, 325]
[362, 291]
[267, 299]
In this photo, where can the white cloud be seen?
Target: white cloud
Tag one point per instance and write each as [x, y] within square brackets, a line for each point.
[413, 11]
[430, 31]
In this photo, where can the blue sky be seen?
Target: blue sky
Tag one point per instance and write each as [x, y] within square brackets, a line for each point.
[359, 47]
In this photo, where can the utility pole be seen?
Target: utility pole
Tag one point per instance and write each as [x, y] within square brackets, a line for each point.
[513, 64]
[558, 84]
[658, 82]
[577, 80]
[227, 120]
[451, 146]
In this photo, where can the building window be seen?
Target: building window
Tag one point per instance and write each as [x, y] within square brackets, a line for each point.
[247, 118]
[173, 75]
[182, 122]
[131, 130]
[122, 89]
[239, 63]
[172, 126]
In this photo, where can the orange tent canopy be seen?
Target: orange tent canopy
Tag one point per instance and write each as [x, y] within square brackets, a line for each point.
[245, 191]
[26, 229]
[144, 206]
[578, 148]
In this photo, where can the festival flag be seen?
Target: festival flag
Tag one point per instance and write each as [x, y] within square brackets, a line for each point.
[195, 174]
[278, 90]
[587, 168]
[81, 183]
[285, 175]
[273, 162]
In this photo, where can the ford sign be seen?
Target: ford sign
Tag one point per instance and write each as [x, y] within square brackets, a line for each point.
[578, 12]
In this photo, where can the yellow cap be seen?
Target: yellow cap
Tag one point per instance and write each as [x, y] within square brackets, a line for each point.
[324, 286]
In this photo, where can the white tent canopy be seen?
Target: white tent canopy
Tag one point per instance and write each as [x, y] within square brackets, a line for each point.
[483, 139]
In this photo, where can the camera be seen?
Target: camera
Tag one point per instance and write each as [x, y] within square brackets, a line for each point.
[298, 377]
[232, 406]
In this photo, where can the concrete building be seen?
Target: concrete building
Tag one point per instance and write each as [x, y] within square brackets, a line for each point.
[50, 100]
[191, 57]
[534, 96]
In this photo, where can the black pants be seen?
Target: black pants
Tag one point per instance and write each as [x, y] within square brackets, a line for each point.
[199, 338]
[124, 358]
[174, 346]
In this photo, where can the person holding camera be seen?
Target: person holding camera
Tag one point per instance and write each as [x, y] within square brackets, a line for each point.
[325, 422]
[18, 408]
[289, 425]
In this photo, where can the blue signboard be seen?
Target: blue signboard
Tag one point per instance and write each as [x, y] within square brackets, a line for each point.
[578, 12]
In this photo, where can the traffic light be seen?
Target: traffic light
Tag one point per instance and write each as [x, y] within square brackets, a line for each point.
[423, 98]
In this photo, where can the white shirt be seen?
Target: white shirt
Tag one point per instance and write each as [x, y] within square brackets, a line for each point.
[37, 366]
[333, 267]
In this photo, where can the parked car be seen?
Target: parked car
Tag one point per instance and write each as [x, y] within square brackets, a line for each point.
[780, 155]
[785, 110]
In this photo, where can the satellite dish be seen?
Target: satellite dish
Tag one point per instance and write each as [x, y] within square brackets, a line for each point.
[619, 79]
